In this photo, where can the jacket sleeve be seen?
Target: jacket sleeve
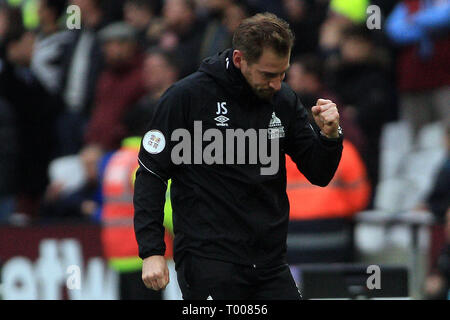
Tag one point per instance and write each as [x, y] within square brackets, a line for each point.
[316, 156]
[149, 198]
[155, 168]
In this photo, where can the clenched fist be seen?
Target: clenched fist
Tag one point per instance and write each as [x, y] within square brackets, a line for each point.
[326, 115]
[155, 273]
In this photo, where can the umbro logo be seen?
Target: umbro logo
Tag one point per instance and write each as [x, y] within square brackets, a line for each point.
[221, 121]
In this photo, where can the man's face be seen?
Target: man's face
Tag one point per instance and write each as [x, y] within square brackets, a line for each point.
[265, 75]
[136, 16]
[176, 13]
[118, 52]
[155, 64]
[302, 81]
[355, 49]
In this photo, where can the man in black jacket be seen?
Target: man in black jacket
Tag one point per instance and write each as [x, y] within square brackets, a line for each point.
[230, 208]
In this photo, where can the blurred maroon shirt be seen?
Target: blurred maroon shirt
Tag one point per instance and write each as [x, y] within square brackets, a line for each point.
[118, 90]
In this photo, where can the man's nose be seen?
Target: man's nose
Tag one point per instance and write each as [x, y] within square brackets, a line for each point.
[275, 84]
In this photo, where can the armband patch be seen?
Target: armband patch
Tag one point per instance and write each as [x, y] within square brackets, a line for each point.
[154, 142]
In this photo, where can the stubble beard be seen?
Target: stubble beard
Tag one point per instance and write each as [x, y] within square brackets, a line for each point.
[264, 94]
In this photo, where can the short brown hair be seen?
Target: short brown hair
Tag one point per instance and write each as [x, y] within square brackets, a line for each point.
[263, 30]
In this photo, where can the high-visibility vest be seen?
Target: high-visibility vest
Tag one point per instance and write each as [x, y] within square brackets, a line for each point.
[118, 237]
[30, 16]
[346, 194]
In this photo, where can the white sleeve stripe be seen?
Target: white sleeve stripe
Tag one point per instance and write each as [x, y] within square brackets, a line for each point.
[140, 162]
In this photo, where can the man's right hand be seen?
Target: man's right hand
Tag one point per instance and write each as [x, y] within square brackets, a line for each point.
[155, 273]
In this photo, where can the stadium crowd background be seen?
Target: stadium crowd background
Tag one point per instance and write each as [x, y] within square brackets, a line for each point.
[68, 98]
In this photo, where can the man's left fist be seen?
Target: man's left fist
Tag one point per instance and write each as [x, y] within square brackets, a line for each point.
[326, 115]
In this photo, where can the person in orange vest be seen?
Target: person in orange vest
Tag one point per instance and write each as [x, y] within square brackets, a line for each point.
[320, 226]
[118, 239]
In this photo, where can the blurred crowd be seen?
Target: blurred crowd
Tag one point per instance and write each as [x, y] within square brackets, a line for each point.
[68, 98]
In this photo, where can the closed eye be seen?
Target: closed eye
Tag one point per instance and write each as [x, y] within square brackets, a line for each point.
[269, 75]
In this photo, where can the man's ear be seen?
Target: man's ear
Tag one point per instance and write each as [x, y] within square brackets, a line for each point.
[237, 58]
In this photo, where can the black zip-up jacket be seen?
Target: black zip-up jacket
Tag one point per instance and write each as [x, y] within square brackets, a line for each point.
[229, 212]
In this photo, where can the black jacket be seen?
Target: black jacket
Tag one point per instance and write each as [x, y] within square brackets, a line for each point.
[228, 212]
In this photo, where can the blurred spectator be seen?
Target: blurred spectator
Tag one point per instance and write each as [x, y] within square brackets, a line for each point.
[181, 32]
[304, 17]
[83, 203]
[10, 27]
[82, 67]
[33, 108]
[113, 10]
[233, 16]
[273, 6]
[9, 150]
[420, 29]
[438, 200]
[160, 72]
[339, 17]
[225, 16]
[320, 226]
[438, 203]
[119, 87]
[437, 284]
[139, 14]
[305, 77]
[212, 8]
[361, 81]
[10, 24]
[47, 59]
